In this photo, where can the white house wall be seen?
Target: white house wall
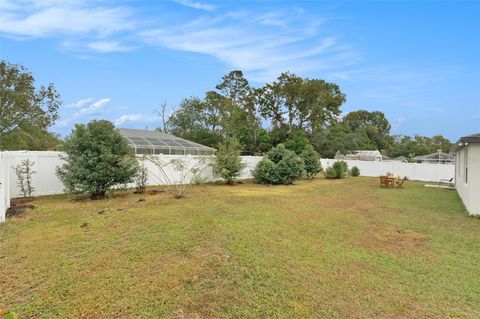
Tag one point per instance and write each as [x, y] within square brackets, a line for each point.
[469, 192]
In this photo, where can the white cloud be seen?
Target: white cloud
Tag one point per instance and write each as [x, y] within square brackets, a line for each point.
[28, 18]
[108, 46]
[262, 43]
[87, 107]
[94, 108]
[258, 45]
[135, 118]
[196, 5]
[80, 103]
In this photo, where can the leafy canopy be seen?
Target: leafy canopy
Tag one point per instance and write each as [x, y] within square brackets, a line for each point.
[25, 111]
[97, 159]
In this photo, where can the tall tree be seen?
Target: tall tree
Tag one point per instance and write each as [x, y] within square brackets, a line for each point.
[238, 110]
[403, 145]
[300, 104]
[373, 124]
[193, 121]
[363, 119]
[23, 107]
[235, 87]
[339, 137]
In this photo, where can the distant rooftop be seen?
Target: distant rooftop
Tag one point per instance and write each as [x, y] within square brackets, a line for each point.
[156, 142]
[435, 157]
[361, 155]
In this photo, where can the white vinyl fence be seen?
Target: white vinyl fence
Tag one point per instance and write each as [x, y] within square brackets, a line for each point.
[46, 182]
[413, 171]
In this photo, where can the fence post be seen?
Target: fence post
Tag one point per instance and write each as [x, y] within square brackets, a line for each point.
[3, 198]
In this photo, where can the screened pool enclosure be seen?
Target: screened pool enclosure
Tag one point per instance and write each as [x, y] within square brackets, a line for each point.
[156, 142]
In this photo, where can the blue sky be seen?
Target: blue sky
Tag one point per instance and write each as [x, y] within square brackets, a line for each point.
[418, 62]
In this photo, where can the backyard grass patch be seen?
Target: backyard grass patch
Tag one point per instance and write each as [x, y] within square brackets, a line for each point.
[326, 248]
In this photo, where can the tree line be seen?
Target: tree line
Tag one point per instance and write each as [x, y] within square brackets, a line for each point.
[291, 110]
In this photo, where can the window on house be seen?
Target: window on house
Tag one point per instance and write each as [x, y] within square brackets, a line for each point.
[458, 166]
[466, 165]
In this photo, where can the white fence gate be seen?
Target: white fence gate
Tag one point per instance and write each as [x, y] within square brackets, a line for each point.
[46, 182]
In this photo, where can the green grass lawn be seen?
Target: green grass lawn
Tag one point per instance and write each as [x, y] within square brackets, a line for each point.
[325, 249]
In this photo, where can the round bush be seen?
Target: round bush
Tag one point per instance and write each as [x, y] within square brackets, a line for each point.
[266, 172]
[337, 170]
[290, 168]
[355, 171]
[280, 166]
[330, 173]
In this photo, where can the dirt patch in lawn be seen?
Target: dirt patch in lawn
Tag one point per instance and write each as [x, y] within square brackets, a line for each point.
[154, 192]
[390, 238]
[120, 195]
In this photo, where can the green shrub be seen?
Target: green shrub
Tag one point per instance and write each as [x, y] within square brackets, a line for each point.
[228, 163]
[276, 154]
[337, 170]
[331, 173]
[355, 171]
[290, 168]
[311, 159]
[280, 166]
[266, 172]
[97, 159]
[344, 165]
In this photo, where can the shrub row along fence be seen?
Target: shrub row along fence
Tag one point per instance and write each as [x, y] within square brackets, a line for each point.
[46, 182]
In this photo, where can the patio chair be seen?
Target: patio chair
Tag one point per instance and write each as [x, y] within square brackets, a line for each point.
[447, 182]
[400, 182]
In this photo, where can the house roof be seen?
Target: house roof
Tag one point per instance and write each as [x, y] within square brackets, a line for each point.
[464, 141]
[366, 155]
[437, 156]
[159, 140]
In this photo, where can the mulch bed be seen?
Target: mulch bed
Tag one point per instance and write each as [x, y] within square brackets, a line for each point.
[19, 206]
